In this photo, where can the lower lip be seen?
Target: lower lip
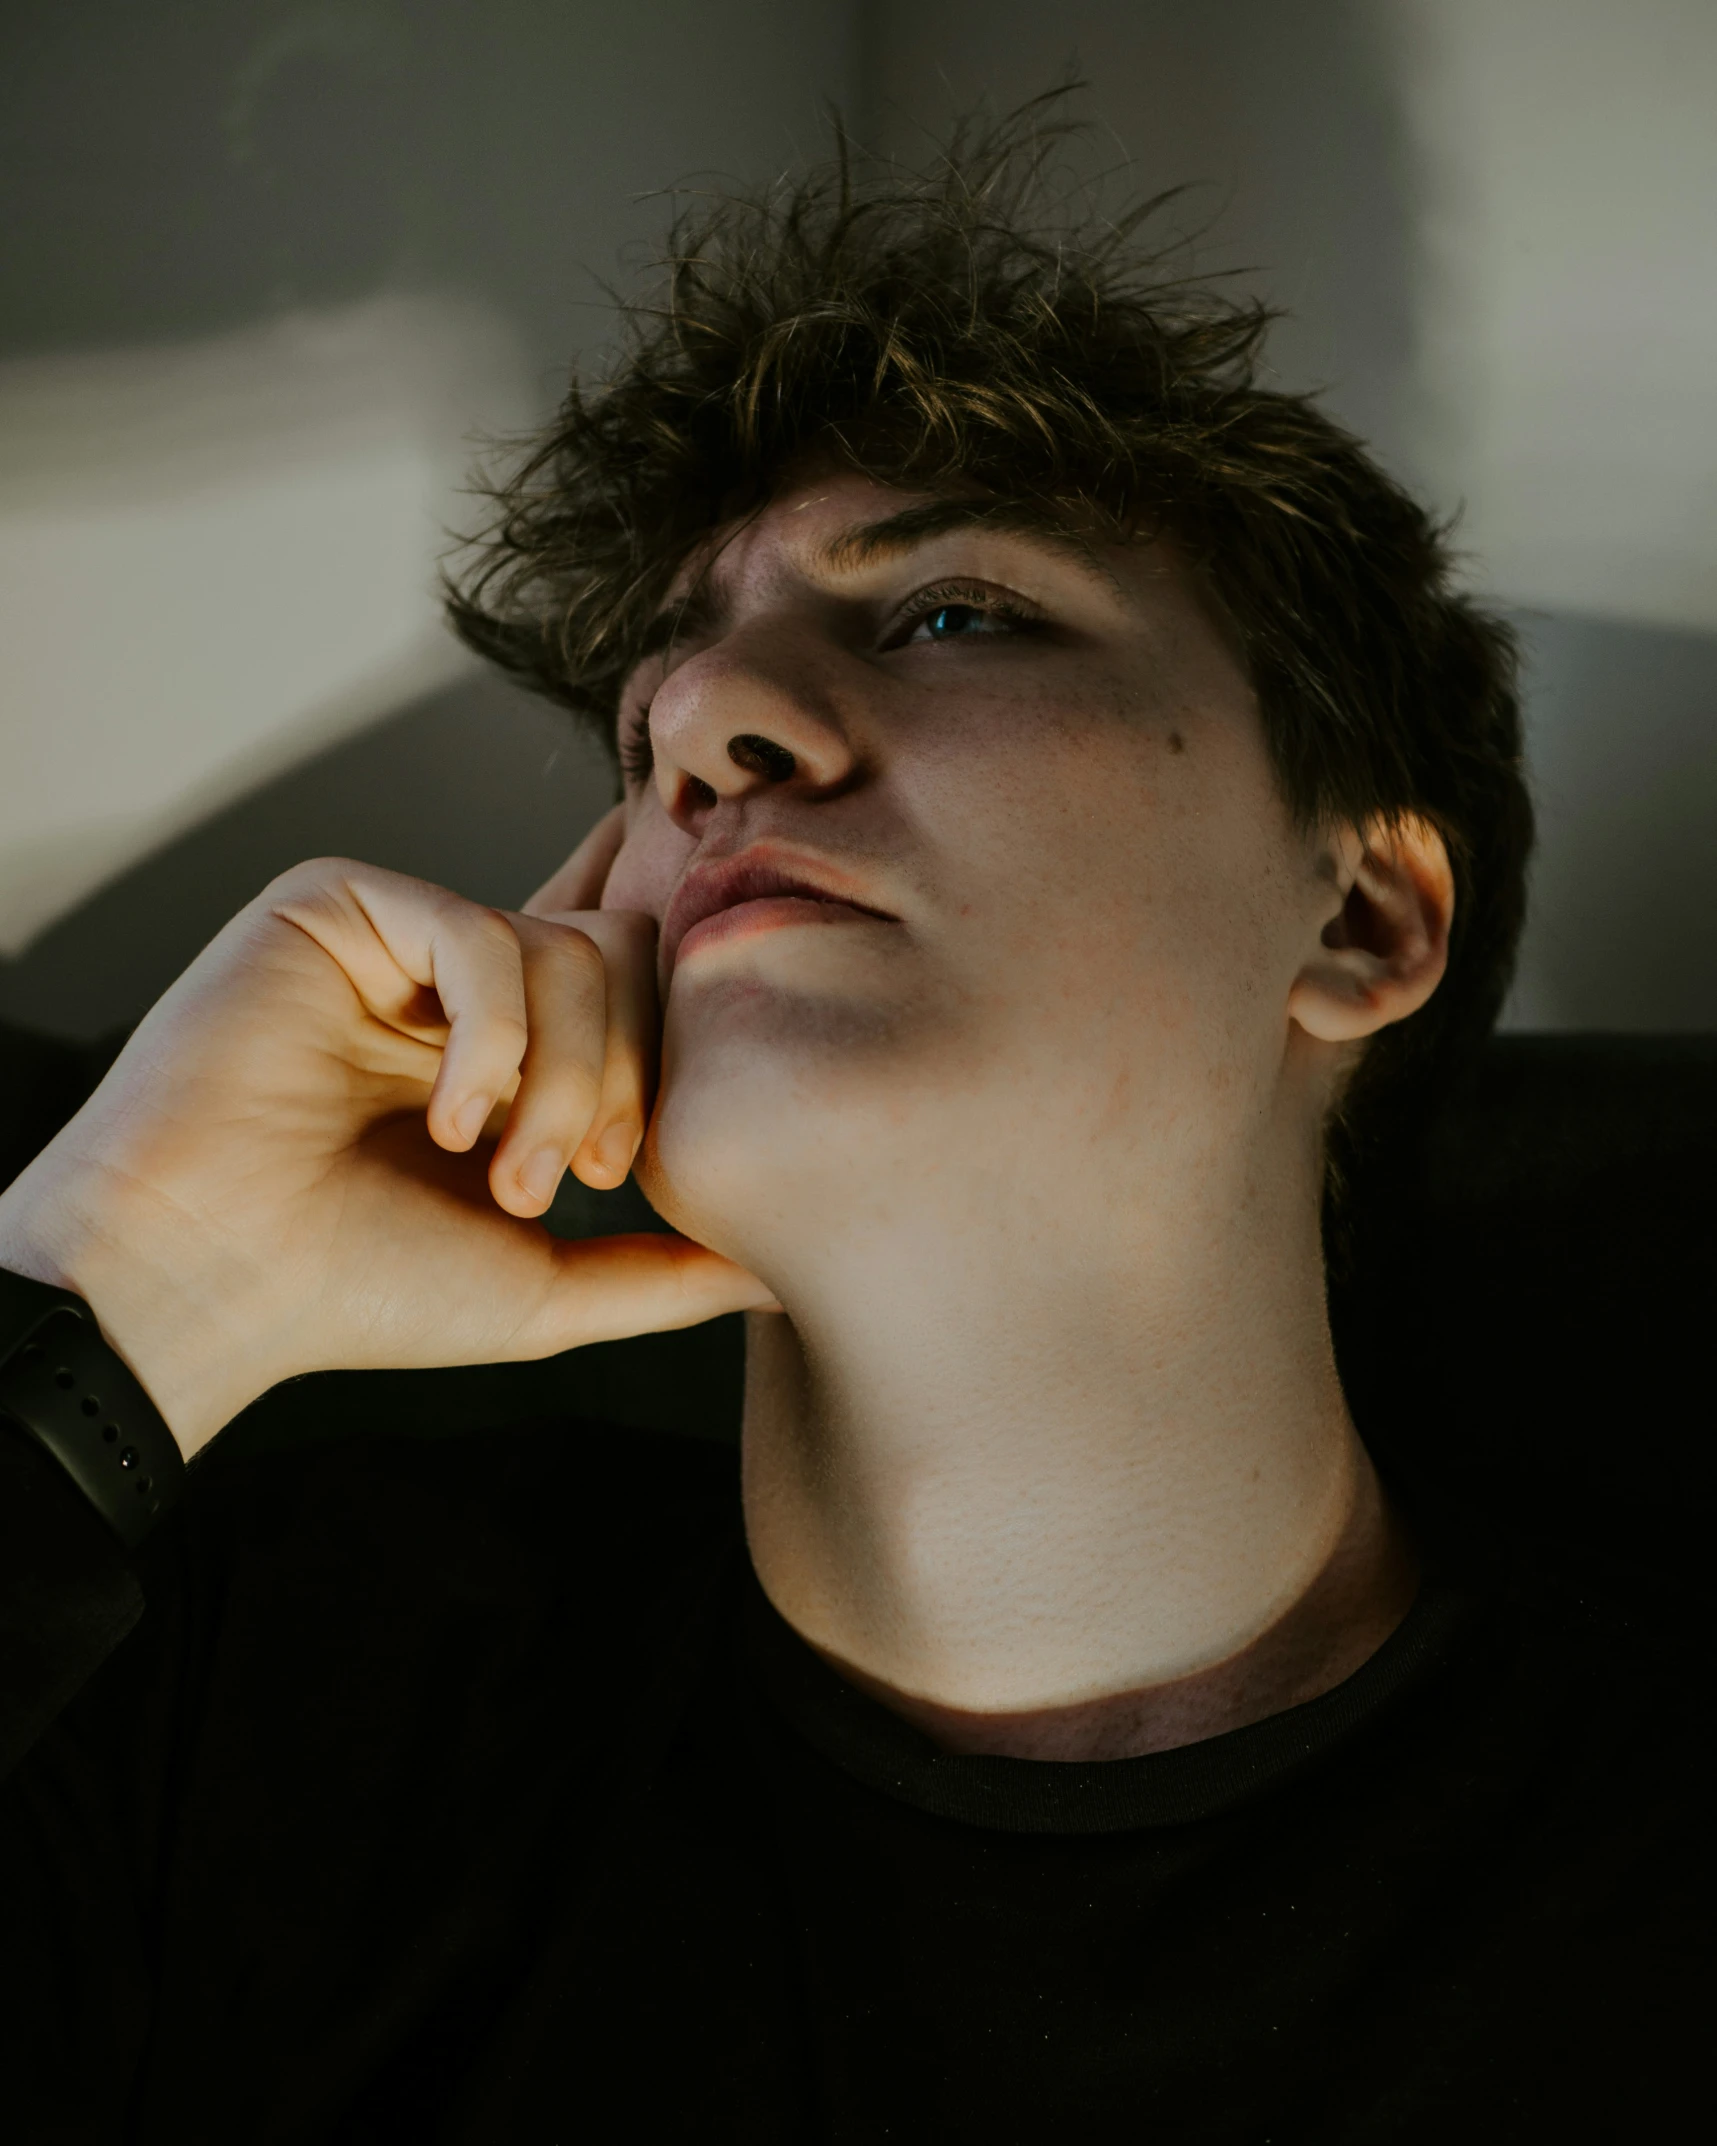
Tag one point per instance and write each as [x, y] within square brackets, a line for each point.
[745, 920]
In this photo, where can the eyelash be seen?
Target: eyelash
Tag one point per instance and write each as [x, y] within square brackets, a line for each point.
[637, 754]
[963, 596]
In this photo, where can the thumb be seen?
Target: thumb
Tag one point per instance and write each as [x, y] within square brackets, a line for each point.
[579, 882]
[610, 1288]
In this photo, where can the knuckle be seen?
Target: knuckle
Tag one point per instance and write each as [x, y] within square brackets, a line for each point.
[346, 878]
[319, 883]
[507, 1034]
[316, 872]
[578, 950]
[491, 928]
[575, 961]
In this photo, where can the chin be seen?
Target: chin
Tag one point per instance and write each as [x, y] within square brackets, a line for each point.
[701, 1171]
[777, 1103]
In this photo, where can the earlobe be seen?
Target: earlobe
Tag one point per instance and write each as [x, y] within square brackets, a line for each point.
[1383, 951]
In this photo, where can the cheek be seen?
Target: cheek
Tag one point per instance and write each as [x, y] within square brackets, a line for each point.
[1054, 842]
[1117, 888]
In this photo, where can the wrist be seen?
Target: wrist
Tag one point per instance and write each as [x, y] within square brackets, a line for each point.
[151, 1311]
[64, 1386]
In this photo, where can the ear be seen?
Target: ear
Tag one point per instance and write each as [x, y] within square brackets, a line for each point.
[580, 881]
[1383, 951]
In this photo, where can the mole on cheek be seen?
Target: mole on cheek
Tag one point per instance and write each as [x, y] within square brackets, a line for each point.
[1177, 744]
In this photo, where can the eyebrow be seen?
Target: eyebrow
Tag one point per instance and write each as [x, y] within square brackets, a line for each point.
[704, 608]
[866, 542]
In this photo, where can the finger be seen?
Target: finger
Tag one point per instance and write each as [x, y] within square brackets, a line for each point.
[634, 1027]
[609, 1288]
[477, 972]
[561, 1077]
[396, 938]
[579, 882]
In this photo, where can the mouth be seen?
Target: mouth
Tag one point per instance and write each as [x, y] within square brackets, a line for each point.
[736, 898]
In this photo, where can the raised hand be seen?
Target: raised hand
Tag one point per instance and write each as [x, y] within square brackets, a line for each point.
[328, 1143]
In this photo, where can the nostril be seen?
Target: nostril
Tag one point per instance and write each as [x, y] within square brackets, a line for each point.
[698, 793]
[761, 756]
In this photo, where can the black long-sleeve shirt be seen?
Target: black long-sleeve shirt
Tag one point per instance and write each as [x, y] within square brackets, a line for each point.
[469, 1791]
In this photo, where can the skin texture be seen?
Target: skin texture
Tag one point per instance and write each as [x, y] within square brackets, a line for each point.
[1002, 1114]
[1031, 1159]
[321, 1147]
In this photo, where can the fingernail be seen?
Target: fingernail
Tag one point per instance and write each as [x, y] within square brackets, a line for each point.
[542, 1173]
[614, 1150]
[471, 1117]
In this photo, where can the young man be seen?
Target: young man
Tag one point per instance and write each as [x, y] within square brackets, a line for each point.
[1067, 813]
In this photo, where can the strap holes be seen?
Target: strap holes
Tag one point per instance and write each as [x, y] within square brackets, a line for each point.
[110, 1432]
[63, 1378]
[90, 1405]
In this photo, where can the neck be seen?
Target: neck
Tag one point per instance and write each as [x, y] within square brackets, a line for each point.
[1065, 1492]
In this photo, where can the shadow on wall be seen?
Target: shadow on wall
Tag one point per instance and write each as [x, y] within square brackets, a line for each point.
[1622, 736]
[477, 787]
[218, 170]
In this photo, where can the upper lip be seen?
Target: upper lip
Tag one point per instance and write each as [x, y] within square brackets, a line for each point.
[754, 875]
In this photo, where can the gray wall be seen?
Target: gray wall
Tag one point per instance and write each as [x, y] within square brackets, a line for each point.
[179, 168]
[1290, 122]
[175, 169]
[181, 165]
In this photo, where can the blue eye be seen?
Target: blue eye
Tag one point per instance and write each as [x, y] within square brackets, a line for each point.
[960, 618]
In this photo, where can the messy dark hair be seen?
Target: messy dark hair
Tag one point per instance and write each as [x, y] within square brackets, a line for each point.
[971, 328]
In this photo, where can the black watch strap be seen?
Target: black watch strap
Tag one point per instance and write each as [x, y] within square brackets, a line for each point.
[61, 1382]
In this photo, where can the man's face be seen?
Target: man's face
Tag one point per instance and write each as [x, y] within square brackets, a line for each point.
[973, 876]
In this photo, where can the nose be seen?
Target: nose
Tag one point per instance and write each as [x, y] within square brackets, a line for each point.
[753, 713]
